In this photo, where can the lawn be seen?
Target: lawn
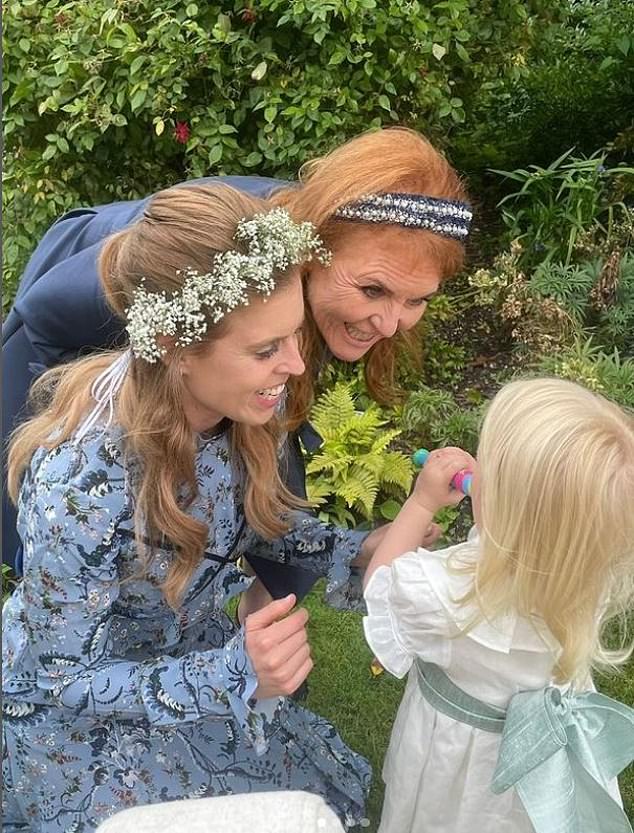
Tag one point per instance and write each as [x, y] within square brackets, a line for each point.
[363, 707]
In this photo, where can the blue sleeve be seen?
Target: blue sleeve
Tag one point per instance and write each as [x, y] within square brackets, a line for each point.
[70, 593]
[322, 548]
[59, 301]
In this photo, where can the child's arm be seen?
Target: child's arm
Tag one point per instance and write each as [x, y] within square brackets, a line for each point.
[432, 491]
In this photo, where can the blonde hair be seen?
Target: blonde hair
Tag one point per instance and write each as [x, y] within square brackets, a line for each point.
[556, 468]
[391, 159]
[182, 227]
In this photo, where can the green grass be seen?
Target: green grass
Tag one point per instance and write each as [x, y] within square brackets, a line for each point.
[363, 707]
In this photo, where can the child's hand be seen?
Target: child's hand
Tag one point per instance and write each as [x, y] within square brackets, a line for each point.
[433, 488]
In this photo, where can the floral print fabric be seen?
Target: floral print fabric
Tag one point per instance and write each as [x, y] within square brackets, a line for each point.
[111, 698]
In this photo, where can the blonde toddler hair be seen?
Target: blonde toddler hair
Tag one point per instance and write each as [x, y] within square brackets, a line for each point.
[556, 495]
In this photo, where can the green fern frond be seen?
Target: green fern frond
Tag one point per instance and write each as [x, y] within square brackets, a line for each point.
[372, 462]
[384, 440]
[332, 408]
[326, 460]
[346, 475]
[318, 490]
[398, 469]
[367, 489]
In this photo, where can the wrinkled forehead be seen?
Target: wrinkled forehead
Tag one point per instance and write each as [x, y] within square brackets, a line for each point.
[414, 249]
[405, 259]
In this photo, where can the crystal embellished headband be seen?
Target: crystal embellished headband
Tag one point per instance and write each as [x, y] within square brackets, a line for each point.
[273, 241]
[450, 218]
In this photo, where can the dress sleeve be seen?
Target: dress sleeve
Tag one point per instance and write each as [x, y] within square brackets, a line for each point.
[322, 548]
[405, 617]
[70, 592]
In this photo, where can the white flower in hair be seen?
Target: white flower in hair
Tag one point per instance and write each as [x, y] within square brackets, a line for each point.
[274, 242]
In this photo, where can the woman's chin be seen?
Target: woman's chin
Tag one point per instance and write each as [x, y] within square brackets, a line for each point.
[346, 348]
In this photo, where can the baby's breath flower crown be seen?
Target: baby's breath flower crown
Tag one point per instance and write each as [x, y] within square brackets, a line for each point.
[274, 242]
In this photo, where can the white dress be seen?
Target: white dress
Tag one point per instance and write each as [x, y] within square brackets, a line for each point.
[438, 771]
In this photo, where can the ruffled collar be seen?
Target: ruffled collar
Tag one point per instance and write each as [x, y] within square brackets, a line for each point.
[503, 634]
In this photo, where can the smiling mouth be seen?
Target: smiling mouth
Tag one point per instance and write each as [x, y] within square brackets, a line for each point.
[359, 335]
[272, 393]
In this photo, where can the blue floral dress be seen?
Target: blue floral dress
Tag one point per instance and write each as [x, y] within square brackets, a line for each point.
[111, 698]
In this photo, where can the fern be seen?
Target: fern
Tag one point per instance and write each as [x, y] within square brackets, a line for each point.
[332, 408]
[397, 469]
[353, 466]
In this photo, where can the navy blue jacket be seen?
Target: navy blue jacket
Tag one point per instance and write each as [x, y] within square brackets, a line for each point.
[60, 312]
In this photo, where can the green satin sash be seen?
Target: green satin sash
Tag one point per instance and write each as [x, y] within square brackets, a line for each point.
[559, 750]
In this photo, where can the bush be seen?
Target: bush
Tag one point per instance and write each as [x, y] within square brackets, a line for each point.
[557, 204]
[576, 89]
[433, 418]
[108, 100]
[586, 363]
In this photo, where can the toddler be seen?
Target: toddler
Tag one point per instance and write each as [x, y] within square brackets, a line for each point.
[500, 729]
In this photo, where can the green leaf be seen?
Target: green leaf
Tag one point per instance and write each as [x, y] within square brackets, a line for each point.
[215, 154]
[384, 102]
[137, 100]
[62, 144]
[338, 56]
[129, 31]
[270, 113]
[159, 127]
[192, 11]
[462, 53]
[260, 71]
[389, 509]
[225, 129]
[254, 158]
[438, 51]
[223, 23]
[136, 64]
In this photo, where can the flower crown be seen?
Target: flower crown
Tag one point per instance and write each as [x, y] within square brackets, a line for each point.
[274, 242]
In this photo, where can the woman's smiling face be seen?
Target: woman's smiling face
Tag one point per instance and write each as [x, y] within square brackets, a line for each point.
[242, 375]
[377, 284]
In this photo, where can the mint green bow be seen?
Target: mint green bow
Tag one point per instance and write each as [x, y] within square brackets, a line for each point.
[559, 751]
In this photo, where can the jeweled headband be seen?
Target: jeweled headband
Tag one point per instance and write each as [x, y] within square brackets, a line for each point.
[450, 218]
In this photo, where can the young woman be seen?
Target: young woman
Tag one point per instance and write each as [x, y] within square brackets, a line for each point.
[389, 207]
[144, 476]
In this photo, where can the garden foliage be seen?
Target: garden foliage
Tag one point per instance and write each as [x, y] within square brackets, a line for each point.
[576, 90]
[569, 266]
[354, 464]
[110, 100]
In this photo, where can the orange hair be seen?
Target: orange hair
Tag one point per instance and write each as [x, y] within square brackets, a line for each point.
[393, 159]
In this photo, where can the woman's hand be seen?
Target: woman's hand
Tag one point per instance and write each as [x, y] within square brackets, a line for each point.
[277, 645]
[253, 599]
[433, 488]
